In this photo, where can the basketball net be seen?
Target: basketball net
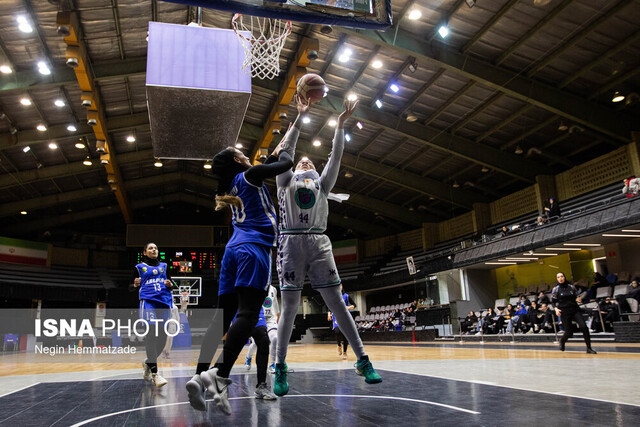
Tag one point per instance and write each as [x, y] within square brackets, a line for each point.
[184, 300]
[262, 48]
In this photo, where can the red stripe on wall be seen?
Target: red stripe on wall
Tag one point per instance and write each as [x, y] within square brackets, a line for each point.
[341, 259]
[16, 259]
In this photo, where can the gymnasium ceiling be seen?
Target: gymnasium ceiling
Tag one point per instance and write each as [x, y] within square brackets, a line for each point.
[515, 90]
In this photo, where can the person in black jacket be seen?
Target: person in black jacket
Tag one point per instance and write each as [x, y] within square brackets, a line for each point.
[553, 211]
[566, 300]
[467, 323]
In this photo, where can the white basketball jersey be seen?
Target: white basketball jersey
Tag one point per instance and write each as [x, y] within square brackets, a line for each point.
[303, 205]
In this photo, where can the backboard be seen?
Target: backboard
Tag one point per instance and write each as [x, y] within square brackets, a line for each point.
[193, 285]
[372, 14]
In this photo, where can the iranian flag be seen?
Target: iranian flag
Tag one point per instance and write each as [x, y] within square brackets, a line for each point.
[23, 251]
[345, 251]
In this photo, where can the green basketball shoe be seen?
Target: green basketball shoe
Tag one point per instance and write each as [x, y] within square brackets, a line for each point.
[280, 386]
[365, 368]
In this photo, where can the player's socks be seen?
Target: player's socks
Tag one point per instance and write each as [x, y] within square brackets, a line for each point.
[365, 368]
[272, 368]
[219, 387]
[263, 392]
[280, 386]
[247, 363]
[146, 371]
[158, 380]
[196, 389]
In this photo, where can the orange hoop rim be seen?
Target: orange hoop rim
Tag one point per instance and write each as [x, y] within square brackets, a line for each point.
[277, 39]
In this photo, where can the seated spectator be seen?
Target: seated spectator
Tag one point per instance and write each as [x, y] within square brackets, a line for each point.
[609, 310]
[521, 310]
[467, 323]
[524, 300]
[541, 220]
[553, 210]
[543, 299]
[495, 323]
[530, 322]
[631, 186]
[505, 231]
[633, 291]
[547, 319]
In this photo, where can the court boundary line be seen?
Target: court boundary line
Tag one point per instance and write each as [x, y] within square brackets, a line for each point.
[406, 399]
[20, 389]
[480, 382]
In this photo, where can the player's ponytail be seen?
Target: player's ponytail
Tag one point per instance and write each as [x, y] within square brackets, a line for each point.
[225, 169]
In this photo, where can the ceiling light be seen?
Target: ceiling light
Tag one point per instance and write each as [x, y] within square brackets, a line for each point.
[581, 244]
[23, 212]
[621, 235]
[533, 253]
[347, 137]
[352, 97]
[562, 127]
[617, 97]
[411, 117]
[5, 69]
[348, 174]
[157, 163]
[413, 66]
[470, 3]
[378, 103]
[376, 64]
[345, 55]
[332, 123]
[239, 146]
[72, 128]
[306, 120]
[631, 231]
[484, 169]
[455, 184]
[80, 145]
[26, 149]
[131, 138]
[359, 125]
[41, 127]
[415, 14]
[25, 101]
[43, 68]
[59, 103]
[317, 143]
[394, 87]
[501, 263]
[562, 249]
[53, 145]
[443, 31]
[24, 25]
[518, 150]
[87, 161]
[520, 259]
[207, 164]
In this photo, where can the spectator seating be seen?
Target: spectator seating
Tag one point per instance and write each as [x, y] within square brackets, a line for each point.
[603, 292]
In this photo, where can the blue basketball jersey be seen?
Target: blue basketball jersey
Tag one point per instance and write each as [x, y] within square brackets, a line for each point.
[152, 283]
[345, 298]
[255, 222]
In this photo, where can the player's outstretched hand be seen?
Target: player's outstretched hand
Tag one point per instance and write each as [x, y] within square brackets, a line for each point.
[279, 147]
[301, 104]
[349, 108]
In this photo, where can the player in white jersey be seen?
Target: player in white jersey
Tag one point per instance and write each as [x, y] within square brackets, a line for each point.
[271, 310]
[303, 249]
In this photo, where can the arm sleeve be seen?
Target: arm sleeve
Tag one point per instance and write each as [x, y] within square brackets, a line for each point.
[270, 159]
[330, 173]
[257, 174]
[554, 295]
[134, 275]
[290, 140]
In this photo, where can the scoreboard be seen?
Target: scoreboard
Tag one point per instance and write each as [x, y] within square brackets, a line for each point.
[186, 261]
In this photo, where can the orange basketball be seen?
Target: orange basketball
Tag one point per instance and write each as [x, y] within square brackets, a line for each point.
[311, 87]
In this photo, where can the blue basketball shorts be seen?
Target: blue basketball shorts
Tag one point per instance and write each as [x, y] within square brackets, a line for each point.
[248, 264]
[151, 310]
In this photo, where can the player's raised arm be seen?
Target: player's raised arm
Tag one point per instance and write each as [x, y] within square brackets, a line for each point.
[330, 173]
[290, 139]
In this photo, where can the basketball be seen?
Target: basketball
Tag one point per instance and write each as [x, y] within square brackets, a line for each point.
[311, 87]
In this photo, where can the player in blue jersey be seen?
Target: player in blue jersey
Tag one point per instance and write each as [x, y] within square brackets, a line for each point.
[246, 265]
[156, 300]
[340, 338]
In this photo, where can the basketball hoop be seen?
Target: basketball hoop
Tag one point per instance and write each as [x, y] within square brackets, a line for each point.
[262, 48]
